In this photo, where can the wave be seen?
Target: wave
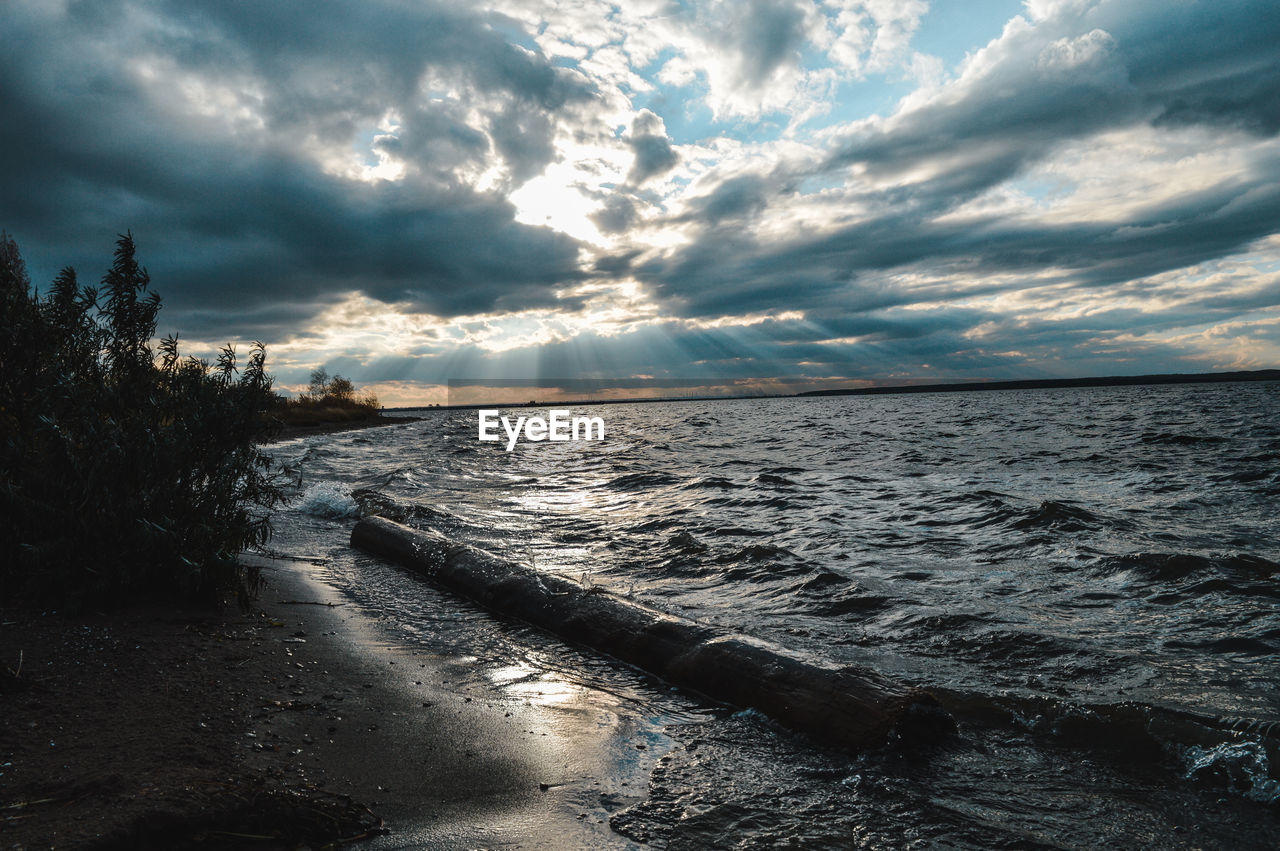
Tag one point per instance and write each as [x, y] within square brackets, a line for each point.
[1242, 768]
[851, 602]
[329, 500]
[1244, 645]
[683, 542]
[641, 481]
[742, 532]
[1176, 439]
[999, 510]
[1227, 753]
[1061, 516]
[372, 501]
[1185, 575]
[716, 482]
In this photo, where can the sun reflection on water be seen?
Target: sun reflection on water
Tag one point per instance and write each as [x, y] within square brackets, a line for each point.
[536, 686]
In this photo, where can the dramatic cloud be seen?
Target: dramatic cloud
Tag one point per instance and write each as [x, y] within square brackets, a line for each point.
[779, 188]
[654, 154]
[229, 142]
[930, 190]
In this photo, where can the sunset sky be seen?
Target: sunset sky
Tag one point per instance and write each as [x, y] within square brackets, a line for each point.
[788, 193]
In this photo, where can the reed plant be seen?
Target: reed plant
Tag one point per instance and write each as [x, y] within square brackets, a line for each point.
[127, 471]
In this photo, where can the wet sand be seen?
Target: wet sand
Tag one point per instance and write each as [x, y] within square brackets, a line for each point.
[443, 763]
[127, 723]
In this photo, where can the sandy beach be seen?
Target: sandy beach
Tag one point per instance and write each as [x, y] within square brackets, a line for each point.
[159, 726]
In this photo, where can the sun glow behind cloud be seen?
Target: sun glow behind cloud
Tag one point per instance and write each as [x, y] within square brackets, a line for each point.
[553, 199]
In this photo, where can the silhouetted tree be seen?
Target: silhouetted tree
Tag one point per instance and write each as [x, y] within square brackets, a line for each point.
[341, 389]
[319, 383]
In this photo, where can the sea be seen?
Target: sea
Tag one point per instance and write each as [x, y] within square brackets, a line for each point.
[1088, 579]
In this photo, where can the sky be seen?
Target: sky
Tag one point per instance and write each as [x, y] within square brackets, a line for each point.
[769, 194]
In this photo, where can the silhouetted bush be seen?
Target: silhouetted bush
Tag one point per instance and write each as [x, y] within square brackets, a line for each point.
[328, 400]
[123, 477]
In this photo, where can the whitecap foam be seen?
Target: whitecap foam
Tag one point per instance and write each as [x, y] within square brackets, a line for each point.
[329, 500]
[1242, 766]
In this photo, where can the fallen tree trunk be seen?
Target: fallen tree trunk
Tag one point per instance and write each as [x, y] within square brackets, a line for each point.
[848, 707]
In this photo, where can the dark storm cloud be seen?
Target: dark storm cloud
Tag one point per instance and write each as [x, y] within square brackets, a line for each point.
[766, 34]
[1121, 66]
[652, 147]
[1247, 100]
[523, 135]
[237, 216]
[616, 215]
[1212, 64]
[737, 197]
[1066, 79]
[733, 273]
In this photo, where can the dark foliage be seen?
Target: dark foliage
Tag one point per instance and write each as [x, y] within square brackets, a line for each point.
[122, 478]
[329, 399]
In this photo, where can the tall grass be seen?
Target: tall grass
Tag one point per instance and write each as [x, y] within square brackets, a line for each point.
[124, 474]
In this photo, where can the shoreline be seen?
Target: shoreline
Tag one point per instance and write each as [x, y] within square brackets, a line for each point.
[158, 724]
[289, 432]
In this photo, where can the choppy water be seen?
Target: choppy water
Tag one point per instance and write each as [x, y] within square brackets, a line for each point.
[1088, 578]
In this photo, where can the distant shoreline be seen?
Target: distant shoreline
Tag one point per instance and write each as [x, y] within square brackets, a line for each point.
[939, 387]
[289, 432]
[1053, 383]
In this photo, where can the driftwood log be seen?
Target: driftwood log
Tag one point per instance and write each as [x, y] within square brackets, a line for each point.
[848, 707]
